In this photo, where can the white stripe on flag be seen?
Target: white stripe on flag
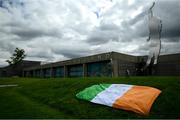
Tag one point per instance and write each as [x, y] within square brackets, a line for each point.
[111, 94]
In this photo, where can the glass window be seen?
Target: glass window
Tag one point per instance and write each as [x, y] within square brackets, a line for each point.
[59, 72]
[99, 69]
[76, 71]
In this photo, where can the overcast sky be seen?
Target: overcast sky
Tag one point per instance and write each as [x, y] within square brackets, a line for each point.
[54, 30]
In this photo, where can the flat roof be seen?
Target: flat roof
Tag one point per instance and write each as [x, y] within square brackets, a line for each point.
[104, 57]
[86, 59]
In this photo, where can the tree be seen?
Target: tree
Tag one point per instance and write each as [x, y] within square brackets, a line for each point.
[18, 56]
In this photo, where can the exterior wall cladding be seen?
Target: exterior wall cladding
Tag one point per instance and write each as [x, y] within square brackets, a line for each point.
[110, 64]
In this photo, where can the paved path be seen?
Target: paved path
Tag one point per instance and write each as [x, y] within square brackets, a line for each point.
[8, 85]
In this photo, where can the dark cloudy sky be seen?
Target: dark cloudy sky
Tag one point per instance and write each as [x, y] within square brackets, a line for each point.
[53, 30]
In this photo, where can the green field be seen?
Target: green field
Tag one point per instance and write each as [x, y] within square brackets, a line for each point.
[55, 98]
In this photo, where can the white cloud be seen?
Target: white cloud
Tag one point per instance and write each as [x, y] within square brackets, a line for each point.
[52, 30]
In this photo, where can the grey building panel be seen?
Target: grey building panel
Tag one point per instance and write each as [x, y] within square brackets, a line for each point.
[169, 58]
[124, 57]
[168, 68]
[123, 66]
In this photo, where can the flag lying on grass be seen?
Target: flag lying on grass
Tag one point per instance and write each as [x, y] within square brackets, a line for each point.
[128, 97]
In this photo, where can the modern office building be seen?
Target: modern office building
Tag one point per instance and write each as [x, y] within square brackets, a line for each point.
[110, 64]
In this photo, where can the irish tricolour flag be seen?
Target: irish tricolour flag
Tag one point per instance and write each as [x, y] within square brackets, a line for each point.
[128, 97]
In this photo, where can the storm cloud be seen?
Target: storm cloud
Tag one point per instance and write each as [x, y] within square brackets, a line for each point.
[53, 30]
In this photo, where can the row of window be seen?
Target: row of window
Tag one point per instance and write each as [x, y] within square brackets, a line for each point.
[93, 69]
[57, 72]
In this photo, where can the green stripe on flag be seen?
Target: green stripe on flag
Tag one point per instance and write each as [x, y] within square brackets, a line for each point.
[90, 92]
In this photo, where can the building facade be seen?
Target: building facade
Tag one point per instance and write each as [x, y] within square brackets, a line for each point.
[110, 64]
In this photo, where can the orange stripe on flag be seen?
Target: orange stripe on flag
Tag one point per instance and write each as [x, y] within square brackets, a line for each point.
[138, 99]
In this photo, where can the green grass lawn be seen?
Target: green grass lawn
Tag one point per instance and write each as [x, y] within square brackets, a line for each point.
[55, 98]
